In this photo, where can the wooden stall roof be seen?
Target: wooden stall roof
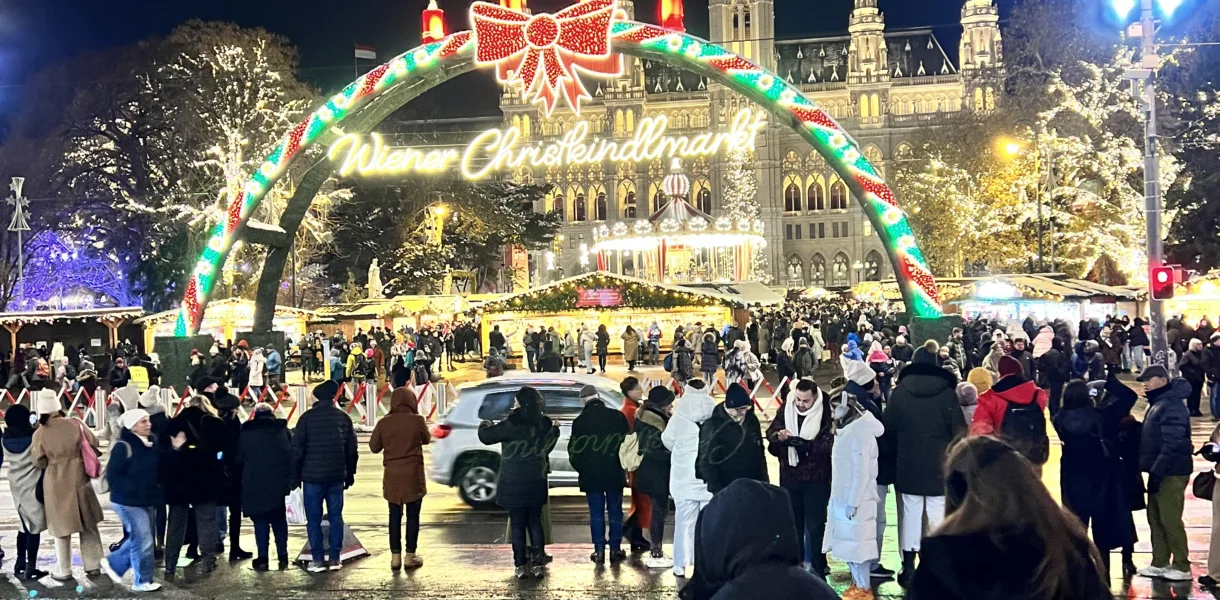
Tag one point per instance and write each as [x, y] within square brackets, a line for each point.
[230, 303]
[48, 316]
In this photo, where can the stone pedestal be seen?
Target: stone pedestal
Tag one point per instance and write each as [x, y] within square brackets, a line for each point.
[175, 355]
[939, 329]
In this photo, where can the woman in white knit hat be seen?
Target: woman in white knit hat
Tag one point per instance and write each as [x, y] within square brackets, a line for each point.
[71, 505]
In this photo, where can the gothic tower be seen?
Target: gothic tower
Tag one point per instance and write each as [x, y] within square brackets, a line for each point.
[981, 44]
[869, 56]
[747, 27]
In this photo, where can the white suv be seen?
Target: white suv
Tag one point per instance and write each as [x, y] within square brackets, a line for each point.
[460, 460]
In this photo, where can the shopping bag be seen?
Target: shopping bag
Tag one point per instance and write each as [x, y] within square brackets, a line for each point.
[294, 507]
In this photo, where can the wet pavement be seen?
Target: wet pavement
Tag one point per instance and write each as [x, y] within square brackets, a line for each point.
[466, 554]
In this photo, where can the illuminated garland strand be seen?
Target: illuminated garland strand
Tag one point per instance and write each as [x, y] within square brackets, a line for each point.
[911, 270]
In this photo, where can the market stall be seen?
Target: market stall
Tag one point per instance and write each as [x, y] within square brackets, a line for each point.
[415, 312]
[98, 329]
[1044, 297]
[609, 299]
[225, 318]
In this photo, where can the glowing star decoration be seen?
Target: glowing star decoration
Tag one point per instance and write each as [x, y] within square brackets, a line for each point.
[540, 53]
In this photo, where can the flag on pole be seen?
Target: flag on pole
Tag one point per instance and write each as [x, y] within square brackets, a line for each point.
[365, 52]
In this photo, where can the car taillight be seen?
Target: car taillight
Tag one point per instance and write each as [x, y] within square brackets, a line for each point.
[440, 431]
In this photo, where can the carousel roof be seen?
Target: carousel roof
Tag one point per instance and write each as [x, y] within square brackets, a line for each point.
[680, 211]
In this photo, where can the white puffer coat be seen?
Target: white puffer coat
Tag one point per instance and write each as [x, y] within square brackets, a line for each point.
[852, 537]
[681, 437]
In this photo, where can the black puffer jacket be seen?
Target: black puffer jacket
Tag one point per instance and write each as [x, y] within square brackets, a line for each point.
[324, 446]
[1165, 446]
[525, 450]
[597, 434]
[193, 474]
[652, 477]
[729, 450]
[921, 419]
[265, 447]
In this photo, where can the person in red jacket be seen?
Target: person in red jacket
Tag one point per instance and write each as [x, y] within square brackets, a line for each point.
[1014, 409]
[640, 514]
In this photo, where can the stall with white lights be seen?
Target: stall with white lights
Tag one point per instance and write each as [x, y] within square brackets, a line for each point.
[1043, 297]
[679, 243]
[232, 315]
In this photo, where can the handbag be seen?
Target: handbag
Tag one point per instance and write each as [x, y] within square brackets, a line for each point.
[1204, 485]
[93, 465]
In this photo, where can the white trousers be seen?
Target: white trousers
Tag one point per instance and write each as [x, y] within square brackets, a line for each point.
[914, 510]
[861, 575]
[90, 552]
[686, 516]
[882, 492]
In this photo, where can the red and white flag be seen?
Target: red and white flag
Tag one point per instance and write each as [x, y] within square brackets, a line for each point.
[365, 52]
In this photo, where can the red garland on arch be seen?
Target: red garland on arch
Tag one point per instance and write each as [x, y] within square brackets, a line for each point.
[540, 52]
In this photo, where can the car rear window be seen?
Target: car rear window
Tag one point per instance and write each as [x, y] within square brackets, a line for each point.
[562, 403]
[497, 405]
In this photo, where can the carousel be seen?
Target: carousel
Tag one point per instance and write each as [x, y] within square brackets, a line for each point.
[679, 243]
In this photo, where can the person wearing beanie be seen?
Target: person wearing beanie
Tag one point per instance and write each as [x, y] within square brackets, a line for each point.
[731, 442]
[921, 419]
[135, 494]
[968, 397]
[1014, 409]
[70, 503]
[402, 435]
[652, 477]
[597, 433]
[264, 447]
[23, 478]
[640, 513]
[981, 378]
[800, 437]
[324, 462]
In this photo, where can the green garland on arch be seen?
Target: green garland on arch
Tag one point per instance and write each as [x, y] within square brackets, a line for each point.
[562, 297]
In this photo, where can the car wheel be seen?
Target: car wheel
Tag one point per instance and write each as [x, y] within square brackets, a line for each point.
[478, 483]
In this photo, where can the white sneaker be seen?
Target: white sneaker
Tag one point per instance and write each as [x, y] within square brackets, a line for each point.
[336, 566]
[151, 586]
[658, 562]
[110, 572]
[1173, 574]
[1151, 571]
[316, 567]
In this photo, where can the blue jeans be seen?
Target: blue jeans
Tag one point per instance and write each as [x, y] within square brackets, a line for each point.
[599, 504]
[332, 493]
[136, 551]
[530, 353]
[1213, 395]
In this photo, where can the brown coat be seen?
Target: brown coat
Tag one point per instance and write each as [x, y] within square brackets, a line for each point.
[402, 434]
[631, 346]
[71, 505]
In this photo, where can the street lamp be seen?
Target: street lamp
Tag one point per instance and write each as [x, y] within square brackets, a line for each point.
[859, 267]
[1012, 148]
[1146, 76]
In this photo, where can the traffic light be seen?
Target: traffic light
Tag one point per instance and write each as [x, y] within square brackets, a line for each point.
[1160, 283]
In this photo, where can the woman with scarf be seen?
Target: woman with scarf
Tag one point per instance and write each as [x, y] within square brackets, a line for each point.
[134, 496]
[23, 479]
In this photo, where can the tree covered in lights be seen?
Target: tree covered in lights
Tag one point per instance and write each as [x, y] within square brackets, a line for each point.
[740, 201]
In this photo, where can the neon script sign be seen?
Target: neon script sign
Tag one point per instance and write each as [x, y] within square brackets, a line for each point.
[500, 150]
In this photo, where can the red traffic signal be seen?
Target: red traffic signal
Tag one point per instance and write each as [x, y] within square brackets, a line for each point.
[1160, 283]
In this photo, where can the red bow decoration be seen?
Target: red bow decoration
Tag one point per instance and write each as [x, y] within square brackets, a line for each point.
[539, 52]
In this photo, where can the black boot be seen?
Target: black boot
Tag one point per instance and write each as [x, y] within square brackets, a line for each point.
[908, 568]
[19, 564]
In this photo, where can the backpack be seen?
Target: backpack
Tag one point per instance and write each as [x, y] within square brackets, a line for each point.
[43, 369]
[669, 363]
[362, 366]
[629, 453]
[1024, 428]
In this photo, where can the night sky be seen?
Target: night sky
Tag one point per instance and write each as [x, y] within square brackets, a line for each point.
[36, 33]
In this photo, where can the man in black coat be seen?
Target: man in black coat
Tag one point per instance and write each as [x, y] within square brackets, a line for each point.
[496, 340]
[550, 361]
[226, 405]
[1165, 454]
[265, 447]
[192, 477]
[324, 460]
[593, 448]
[731, 443]
[921, 419]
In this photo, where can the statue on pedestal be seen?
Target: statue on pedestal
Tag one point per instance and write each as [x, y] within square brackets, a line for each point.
[374, 285]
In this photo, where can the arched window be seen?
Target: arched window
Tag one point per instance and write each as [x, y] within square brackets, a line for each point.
[796, 272]
[517, 122]
[864, 113]
[978, 99]
[701, 192]
[903, 150]
[626, 193]
[875, 105]
[554, 201]
[630, 121]
[839, 274]
[838, 196]
[601, 207]
[791, 162]
[990, 102]
[526, 127]
[656, 198]
[793, 198]
[817, 271]
[816, 193]
[580, 204]
[619, 125]
[872, 266]
[524, 175]
[873, 154]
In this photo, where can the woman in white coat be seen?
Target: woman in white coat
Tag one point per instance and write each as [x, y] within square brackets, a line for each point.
[681, 437]
[588, 340]
[258, 374]
[851, 523]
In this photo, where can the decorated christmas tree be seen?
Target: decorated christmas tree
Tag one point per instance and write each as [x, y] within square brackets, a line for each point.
[740, 201]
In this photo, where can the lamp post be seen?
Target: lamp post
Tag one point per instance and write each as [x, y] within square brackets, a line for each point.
[1145, 77]
[1013, 148]
[859, 267]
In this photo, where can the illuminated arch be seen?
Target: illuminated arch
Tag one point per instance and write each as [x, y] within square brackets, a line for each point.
[364, 103]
